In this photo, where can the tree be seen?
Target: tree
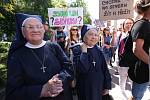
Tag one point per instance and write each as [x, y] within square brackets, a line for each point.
[37, 7]
[59, 3]
[8, 8]
[86, 15]
[7, 24]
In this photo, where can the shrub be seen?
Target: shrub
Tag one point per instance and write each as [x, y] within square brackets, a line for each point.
[4, 47]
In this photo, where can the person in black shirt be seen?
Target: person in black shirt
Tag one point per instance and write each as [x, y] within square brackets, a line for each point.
[60, 36]
[141, 44]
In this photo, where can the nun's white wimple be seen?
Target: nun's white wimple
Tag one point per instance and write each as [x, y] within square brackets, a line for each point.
[23, 23]
[29, 18]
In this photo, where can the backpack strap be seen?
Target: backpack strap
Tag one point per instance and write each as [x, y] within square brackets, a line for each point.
[122, 44]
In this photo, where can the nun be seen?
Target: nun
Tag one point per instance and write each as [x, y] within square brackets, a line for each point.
[92, 75]
[38, 70]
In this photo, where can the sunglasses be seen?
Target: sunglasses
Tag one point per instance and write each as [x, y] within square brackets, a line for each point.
[74, 29]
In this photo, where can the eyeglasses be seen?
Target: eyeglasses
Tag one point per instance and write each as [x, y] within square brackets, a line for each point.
[74, 29]
[93, 34]
[31, 27]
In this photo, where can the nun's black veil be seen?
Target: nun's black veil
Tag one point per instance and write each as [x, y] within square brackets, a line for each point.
[19, 40]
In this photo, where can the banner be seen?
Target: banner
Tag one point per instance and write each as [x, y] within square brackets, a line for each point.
[99, 23]
[65, 16]
[115, 9]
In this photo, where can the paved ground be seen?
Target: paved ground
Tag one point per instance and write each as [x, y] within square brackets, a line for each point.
[116, 93]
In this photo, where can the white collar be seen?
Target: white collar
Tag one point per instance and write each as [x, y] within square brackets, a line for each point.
[90, 46]
[29, 45]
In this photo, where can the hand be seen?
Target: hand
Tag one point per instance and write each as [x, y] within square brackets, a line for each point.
[44, 92]
[105, 91]
[84, 47]
[52, 88]
[55, 86]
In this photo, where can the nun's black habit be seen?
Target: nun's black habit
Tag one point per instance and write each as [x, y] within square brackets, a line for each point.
[92, 73]
[25, 76]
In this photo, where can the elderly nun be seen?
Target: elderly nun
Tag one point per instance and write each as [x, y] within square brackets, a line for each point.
[38, 70]
[93, 77]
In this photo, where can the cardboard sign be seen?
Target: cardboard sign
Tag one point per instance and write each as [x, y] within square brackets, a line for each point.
[115, 9]
[99, 23]
[65, 16]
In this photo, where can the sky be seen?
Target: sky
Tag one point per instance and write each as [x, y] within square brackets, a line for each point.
[93, 8]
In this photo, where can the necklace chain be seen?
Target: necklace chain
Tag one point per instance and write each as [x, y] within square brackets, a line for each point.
[93, 60]
[38, 59]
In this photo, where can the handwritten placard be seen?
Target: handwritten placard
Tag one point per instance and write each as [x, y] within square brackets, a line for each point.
[99, 23]
[65, 16]
[115, 9]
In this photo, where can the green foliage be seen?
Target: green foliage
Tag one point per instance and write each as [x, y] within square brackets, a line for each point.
[87, 19]
[86, 15]
[3, 75]
[38, 7]
[7, 24]
[59, 3]
[8, 8]
[4, 47]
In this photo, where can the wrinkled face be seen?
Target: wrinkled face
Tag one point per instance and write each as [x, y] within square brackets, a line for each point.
[33, 31]
[91, 37]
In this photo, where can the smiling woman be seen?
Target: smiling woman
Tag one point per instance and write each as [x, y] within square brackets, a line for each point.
[93, 77]
[34, 71]
[33, 30]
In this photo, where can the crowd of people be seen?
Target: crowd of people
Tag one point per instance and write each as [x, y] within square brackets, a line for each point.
[50, 63]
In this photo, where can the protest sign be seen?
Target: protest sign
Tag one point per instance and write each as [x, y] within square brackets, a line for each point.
[99, 23]
[115, 9]
[65, 16]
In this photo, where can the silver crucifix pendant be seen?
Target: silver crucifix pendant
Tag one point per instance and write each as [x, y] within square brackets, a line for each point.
[94, 63]
[43, 68]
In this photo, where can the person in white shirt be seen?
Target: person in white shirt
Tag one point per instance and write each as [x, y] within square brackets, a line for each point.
[123, 69]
